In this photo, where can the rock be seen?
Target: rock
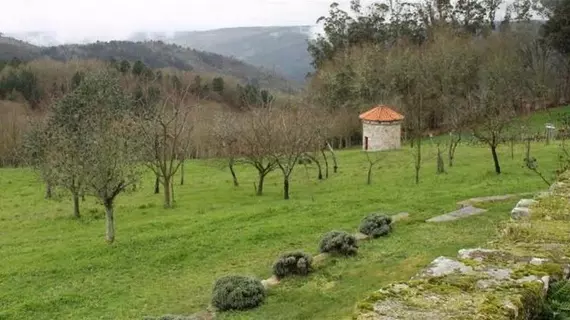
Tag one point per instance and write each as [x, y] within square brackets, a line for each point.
[475, 254]
[400, 216]
[444, 266]
[397, 288]
[555, 186]
[546, 281]
[459, 214]
[538, 261]
[473, 201]
[361, 236]
[486, 284]
[527, 279]
[270, 282]
[520, 213]
[543, 194]
[525, 203]
[384, 309]
[499, 274]
[319, 259]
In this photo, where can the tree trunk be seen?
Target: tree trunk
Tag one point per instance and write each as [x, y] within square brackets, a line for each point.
[260, 184]
[317, 162]
[496, 159]
[234, 177]
[109, 222]
[512, 149]
[286, 188]
[320, 175]
[527, 158]
[172, 201]
[326, 163]
[418, 158]
[76, 213]
[440, 163]
[182, 172]
[369, 179]
[451, 151]
[335, 167]
[48, 194]
[167, 192]
[157, 185]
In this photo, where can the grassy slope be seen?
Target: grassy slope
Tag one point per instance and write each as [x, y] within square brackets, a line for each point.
[539, 119]
[165, 261]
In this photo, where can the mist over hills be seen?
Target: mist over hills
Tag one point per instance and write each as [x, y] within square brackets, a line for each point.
[281, 49]
[156, 54]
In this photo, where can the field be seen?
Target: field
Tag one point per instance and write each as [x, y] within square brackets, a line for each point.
[165, 261]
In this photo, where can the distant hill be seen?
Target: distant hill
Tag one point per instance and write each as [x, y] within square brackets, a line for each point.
[156, 54]
[282, 49]
[10, 47]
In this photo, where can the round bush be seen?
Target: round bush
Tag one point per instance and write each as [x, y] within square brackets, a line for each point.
[291, 263]
[376, 225]
[237, 293]
[339, 242]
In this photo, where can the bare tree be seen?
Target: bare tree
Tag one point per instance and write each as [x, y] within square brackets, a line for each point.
[226, 132]
[293, 134]
[254, 143]
[502, 85]
[167, 139]
[372, 161]
[408, 71]
[36, 144]
[65, 157]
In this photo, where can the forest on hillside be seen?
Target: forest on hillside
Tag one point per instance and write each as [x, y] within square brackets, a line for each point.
[155, 54]
[29, 91]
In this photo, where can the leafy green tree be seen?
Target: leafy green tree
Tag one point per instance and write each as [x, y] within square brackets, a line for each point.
[176, 83]
[557, 29]
[76, 79]
[138, 68]
[197, 87]
[251, 95]
[25, 82]
[15, 62]
[97, 142]
[218, 85]
[124, 67]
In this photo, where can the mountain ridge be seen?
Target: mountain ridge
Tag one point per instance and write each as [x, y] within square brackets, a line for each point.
[155, 54]
[277, 49]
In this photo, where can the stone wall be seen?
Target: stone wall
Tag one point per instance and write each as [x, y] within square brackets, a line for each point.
[381, 136]
[506, 280]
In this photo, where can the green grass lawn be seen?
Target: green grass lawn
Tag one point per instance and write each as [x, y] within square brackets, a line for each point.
[539, 119]
[165, 261]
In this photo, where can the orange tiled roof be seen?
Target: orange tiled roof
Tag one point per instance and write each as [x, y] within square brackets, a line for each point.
[381, 113]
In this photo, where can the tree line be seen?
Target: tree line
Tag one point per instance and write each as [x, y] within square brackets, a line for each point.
[35, 85]
[100, 137]
[447, 65]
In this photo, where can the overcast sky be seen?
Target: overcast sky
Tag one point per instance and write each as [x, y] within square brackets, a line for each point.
[75, 19]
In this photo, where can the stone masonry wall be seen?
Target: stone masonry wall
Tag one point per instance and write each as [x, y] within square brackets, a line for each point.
[385, 136]
[506, 280]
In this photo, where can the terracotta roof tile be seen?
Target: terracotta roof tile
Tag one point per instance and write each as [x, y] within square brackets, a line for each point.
[381, 113]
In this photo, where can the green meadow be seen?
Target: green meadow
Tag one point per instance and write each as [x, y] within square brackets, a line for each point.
[164, 261]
